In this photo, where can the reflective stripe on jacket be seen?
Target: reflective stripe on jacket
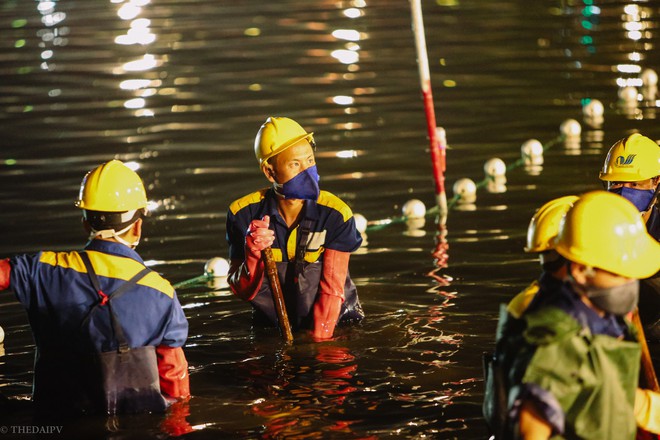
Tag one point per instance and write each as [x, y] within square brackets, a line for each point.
[55, 290]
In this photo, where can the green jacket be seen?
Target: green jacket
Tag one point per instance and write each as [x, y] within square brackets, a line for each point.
[584, 383]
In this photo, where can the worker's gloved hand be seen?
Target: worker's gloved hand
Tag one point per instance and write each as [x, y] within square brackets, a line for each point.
[245, 277]
[258, 237]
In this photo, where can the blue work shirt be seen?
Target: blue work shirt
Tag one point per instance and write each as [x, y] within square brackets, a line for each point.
[333, 226]
[330, 225]
[56, 290]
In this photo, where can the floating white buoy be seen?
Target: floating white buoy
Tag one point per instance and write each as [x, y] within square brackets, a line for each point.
[2, 335]
[649, 77]
[570, 128]
[495, 167]
[414, 209]
[466, 190]
[415, 227]
[628, 94]
[216, 266]
[532, 152]
[360, 223]
[496, 185]
[594, 109]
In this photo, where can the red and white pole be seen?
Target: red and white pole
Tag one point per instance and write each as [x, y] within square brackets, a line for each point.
[437, 142]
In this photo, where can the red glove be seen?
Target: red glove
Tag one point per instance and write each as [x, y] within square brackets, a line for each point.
[245, 277]
[5, 271]
[173, 372]
[331, 293]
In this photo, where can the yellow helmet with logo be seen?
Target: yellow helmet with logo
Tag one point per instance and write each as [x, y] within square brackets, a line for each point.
[544, 225]
[112, 187]
[276, 135]
[631, 159]
[605, 231]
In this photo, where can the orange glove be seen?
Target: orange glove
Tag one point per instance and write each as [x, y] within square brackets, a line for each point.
[5, 271]
[245, 278]
[173, 372]
[331, 293]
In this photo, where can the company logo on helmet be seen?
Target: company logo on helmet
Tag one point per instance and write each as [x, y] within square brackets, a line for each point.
[621, 161]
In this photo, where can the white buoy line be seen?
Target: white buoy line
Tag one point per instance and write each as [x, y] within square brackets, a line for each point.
[465, 189]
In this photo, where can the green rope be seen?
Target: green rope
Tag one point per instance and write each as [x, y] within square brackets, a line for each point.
[193, 281]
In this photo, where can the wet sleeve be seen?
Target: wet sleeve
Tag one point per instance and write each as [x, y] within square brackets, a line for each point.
[176, 332]
[545, 403]
[23, 278]
[235, 236]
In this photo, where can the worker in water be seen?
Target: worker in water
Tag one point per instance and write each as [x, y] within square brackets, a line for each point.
[576, 371]
[632, 169]
[108, 331]
[541, 233]
[311, 232]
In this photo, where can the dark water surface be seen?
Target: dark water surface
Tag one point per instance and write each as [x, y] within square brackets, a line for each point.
[184, 101]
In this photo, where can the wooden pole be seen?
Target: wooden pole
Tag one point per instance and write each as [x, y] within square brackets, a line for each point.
[278, 296]
[648, 372]
[437, 145]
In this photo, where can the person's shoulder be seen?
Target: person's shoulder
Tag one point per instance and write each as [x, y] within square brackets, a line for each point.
[247, 200]
[331, 201]
[156, 281]
[521, 301]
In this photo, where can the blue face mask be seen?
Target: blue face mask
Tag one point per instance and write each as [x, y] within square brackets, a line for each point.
[641, 198]
[304, 186]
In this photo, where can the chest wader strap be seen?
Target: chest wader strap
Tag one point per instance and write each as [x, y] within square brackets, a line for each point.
[105, 299]
[303, 240]
[131, 382]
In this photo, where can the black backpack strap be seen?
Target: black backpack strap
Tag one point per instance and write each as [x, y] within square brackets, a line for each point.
[105, 299]
[304, 230]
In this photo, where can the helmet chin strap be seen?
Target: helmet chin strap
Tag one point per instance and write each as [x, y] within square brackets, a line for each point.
[111, 233]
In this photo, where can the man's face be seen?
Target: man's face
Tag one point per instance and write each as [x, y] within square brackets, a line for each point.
[597, 278]
[641, 184]
[291, 162]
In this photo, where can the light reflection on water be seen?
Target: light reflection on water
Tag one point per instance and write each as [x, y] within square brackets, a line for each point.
[180, 89]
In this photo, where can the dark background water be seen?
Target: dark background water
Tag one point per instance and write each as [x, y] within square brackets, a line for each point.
[184, 102]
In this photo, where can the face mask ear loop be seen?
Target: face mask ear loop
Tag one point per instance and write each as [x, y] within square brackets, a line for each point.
[107, 233]
[277, 187]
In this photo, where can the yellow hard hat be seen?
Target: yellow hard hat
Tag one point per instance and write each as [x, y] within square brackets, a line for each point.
[631, 159]
[276, 135]
[604, 230]
[544, 225]
[112, 187]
